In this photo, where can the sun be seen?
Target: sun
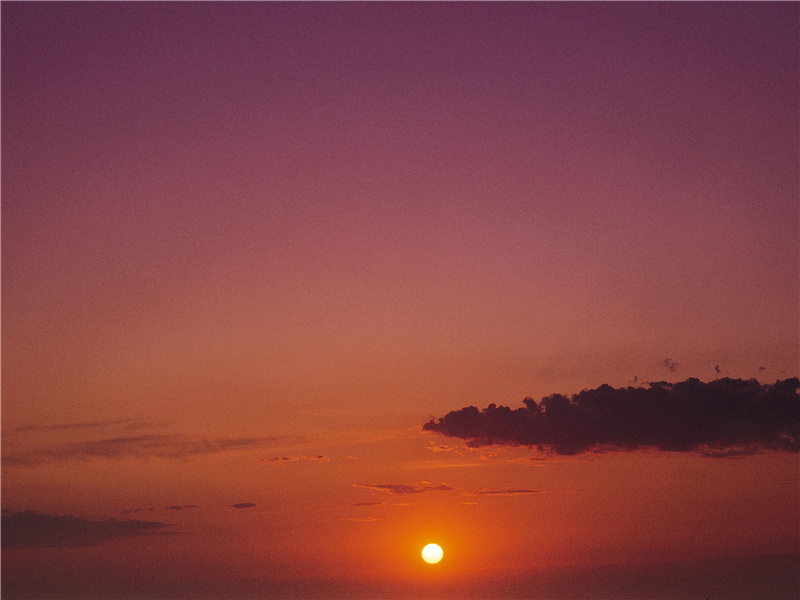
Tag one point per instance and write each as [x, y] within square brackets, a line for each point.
[432, 553]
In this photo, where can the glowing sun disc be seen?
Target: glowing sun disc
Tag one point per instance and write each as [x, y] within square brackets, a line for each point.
[432, 553]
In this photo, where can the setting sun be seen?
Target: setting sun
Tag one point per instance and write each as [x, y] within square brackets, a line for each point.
[432, 553]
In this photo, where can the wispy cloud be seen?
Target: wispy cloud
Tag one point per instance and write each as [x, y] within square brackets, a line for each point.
[730, 452]
[403, 489]
[244, 505]
[725, 417]
[506, 491]
[278, 460]
[129, 511]
[129, 424]
[670, 364]
[28, 529]
[141, 447]
[433, 447]
[368, 503]
[533, 461]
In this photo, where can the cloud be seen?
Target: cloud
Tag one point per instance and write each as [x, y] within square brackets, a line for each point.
[244, 505]
[368, 503]
[441, 448]
[142, 447]
[507, 491]
[670, 364]
[126, 423]
[179, 506]
[404, 489]
[730, 452]
[535, 461]
[28, 529]
[685, 416]
[284, 459]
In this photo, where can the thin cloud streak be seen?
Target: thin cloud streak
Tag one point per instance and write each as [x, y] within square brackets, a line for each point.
[726, 417]
[128, 424]
[142, 447]
[506, 492]
[277, 460]
[404, 489]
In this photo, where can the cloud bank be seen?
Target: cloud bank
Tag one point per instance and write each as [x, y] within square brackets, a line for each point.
[726, 417]
[28, 529]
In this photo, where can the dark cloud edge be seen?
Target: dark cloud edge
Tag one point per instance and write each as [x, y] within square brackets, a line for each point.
[722, 418]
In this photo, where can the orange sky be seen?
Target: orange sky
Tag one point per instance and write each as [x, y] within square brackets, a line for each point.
[250, 249]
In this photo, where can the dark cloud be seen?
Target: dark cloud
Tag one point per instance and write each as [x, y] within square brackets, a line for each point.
[404, 489]
[368, 503]
[722, 415]
[28, 529]
[717, 369]
[670, 364]
[141, 446]
[244, 505]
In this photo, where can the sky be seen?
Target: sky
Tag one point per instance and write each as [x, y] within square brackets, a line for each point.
[290, 290]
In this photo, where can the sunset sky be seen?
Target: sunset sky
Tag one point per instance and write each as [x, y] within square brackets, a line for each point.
[267, 267]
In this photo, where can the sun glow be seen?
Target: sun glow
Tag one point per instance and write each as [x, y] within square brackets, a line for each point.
[432, 553]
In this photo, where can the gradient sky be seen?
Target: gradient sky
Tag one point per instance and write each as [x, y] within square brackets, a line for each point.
[249, 250]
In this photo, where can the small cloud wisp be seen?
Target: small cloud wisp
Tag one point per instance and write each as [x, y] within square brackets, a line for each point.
[404, 489]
